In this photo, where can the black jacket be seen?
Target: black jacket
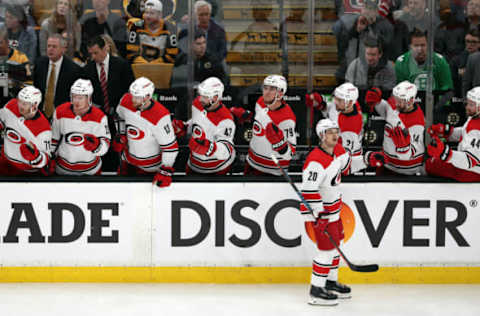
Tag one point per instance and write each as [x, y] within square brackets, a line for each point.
[68, 74]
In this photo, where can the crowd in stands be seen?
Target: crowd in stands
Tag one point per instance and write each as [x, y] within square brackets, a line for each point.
[91, 54]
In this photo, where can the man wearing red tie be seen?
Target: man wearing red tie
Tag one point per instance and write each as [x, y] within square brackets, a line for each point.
[111, 77]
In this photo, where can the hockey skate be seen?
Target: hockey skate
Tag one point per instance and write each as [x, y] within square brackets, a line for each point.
[321, 296]
[342, 290]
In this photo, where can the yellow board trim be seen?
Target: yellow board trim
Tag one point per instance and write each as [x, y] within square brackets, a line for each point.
[407, 275]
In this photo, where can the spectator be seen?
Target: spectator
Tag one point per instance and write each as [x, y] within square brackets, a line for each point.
[153, 37]
[111, 77]
[103, 21]
[20, 36]
[63, 19]
[449, 36]
[459, 62]
[216, 38]
[54, 74]
[29, 152]
[372, 69]
[111, 47]
[351, 31]
[411, 66]
[473, 14]
[16, 64]
[414, 15]
[181, 11]
[79, 143]
[205, 65]
[27, 6]
[471, 76]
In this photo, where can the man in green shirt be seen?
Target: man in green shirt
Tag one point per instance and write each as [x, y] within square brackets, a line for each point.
[411, 66]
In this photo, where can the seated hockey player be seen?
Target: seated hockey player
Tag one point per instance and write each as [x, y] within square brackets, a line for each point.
[403, 143]
[462, 164]
[273, 130]
[27, 135]
[345, 110]
[149, 146]
[80, 133]
[156, 33]
[211, 143]
[321, 177]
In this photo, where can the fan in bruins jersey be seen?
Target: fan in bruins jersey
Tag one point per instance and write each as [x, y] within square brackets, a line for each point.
[153, 37]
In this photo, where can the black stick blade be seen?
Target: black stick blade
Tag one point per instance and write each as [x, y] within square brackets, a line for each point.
[364, 268]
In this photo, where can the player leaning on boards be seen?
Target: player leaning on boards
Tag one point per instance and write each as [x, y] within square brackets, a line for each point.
[149, 145]
[80, 133]
[462, 164]
[321, 177]
[346, 111]
[27, 136]
[403, 143]
[213, 129]
[273, 130]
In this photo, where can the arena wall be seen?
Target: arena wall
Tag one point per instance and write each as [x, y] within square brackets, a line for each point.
[231, 232]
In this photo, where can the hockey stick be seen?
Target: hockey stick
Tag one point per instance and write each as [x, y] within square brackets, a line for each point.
[352, 266]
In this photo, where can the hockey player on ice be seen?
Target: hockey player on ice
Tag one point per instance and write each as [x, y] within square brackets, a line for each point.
[403, 142]
[345, 110]
[80, 133]
[27, 134]
[321, 177]
[273, 130]
[211, 143]
[462, 164]
[149, 145]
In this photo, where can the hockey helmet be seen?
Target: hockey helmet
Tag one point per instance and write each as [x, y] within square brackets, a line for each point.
[474, 96]
[82, 87]
[405, 90]
[324, 125]
[347, 92]
[31, 95]
[142, 87]
[154, 5]
[211, 87]
[276, 81]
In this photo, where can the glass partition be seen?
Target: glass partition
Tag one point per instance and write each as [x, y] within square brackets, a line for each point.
[315, 44]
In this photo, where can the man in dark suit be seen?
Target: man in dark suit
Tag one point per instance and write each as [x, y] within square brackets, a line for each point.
[54, 74]
[111, 77]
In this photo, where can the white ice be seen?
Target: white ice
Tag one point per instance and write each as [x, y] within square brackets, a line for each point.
[71, 299]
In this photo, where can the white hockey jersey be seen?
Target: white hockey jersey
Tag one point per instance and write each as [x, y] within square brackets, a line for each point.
[68, 140]
[411, 161]
[151, 139]
[18, 131]
[321, 177]
[260, 148]
[219, 127]
[467, 155]
[351, 126]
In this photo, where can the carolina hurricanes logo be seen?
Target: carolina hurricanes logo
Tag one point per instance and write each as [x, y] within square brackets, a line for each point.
[336, 180]
[134, 132]
[197, 131]
[74, 139]
[14, 137]
[257, 129]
